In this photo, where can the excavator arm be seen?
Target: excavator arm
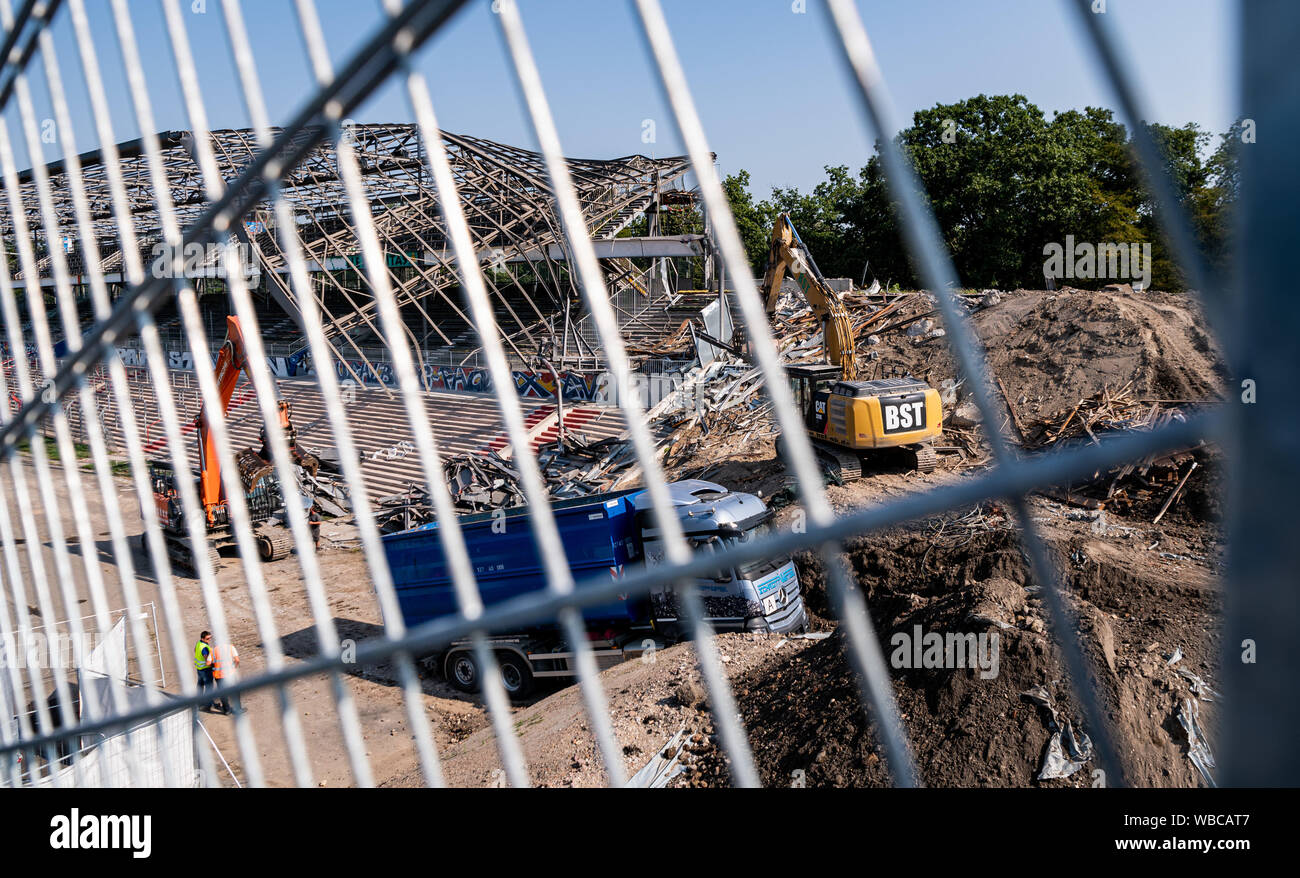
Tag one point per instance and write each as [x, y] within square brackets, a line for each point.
[786, 252]
[231, 361]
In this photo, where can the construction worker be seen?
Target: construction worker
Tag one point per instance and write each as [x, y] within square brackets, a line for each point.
[314, 520]
[203, 657]
[223, 659]
[173, 508]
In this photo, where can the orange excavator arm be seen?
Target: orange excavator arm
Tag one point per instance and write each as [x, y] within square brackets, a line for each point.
[232, 359]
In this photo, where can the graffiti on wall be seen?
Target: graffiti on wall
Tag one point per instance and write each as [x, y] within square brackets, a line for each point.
[579, 387]
[542, 385]
[464, 378]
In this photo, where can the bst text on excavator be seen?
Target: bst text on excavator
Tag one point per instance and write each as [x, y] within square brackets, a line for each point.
[263, 492]
[848, 419]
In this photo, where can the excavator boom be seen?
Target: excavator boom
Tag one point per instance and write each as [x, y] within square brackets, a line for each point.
[786, 252]
[231, 361]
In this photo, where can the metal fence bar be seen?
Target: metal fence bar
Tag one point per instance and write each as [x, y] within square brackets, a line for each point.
[194, 512]
[1046, 469]
[864, 649]
[597, 298]
[921, 233]
[408, 678]
[118, 379]
[67, 309]
[1260, 602]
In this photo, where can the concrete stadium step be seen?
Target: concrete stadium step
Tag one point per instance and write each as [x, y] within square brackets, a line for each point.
[461, 423]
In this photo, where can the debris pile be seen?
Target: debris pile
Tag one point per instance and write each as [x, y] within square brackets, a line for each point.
[329, 491]
[871, 314]
[323, 481]
[1134, 486]
[576, 468]
[1103, 412]
[487, 480]
[411, 508]
[720, 399]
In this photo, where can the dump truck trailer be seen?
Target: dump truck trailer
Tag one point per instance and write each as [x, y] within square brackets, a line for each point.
[603, 535]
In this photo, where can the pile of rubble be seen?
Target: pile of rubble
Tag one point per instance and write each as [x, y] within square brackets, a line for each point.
[722, 398]
[1099, 417]
[571, 467]
[799, 337]
[1103, 412]
[323, 482]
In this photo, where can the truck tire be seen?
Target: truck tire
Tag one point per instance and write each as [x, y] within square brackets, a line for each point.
[516, 675]
[462, 670]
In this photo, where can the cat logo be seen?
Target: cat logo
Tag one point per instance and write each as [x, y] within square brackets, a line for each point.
[821, 407]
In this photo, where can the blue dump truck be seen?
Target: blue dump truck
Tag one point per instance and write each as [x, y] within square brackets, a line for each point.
[603, 535]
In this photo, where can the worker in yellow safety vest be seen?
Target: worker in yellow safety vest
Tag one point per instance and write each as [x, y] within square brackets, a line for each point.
[203, 658]
[224, 659]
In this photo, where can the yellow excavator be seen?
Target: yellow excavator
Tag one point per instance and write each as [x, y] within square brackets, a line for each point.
[848, 419]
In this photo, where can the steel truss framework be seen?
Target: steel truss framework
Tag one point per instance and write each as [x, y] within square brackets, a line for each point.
[504, 192]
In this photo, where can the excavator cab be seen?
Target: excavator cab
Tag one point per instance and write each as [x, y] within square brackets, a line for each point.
[812, 391]
[165, 495]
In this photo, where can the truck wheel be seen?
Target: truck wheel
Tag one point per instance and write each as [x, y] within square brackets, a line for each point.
[516, 676]
[462, 670]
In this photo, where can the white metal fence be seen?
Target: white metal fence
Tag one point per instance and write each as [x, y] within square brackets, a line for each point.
[45, 390]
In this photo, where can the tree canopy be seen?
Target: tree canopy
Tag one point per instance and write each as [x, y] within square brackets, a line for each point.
[1004, 181]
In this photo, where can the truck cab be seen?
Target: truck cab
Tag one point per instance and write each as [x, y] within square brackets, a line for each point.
[762, 595]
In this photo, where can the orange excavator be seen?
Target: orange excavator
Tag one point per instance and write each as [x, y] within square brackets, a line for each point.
[263, 493]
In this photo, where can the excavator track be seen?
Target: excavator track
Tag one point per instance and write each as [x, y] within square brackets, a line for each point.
[273, 543]
[927, 459]
[844, 465]
[182, 554]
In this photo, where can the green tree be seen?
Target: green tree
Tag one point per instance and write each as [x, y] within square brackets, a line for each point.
[1004, 181]
[753, 221]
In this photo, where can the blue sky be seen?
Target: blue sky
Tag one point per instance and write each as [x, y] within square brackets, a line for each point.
[769, 81]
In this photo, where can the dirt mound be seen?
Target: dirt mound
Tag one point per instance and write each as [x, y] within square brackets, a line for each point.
[1052, 349]
[1146, 603]
[650, 701]
[973, 725]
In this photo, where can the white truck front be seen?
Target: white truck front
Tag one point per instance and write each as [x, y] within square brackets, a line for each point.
[762, 595]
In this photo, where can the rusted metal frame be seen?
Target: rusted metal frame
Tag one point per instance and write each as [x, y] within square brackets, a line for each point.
[443, 263]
